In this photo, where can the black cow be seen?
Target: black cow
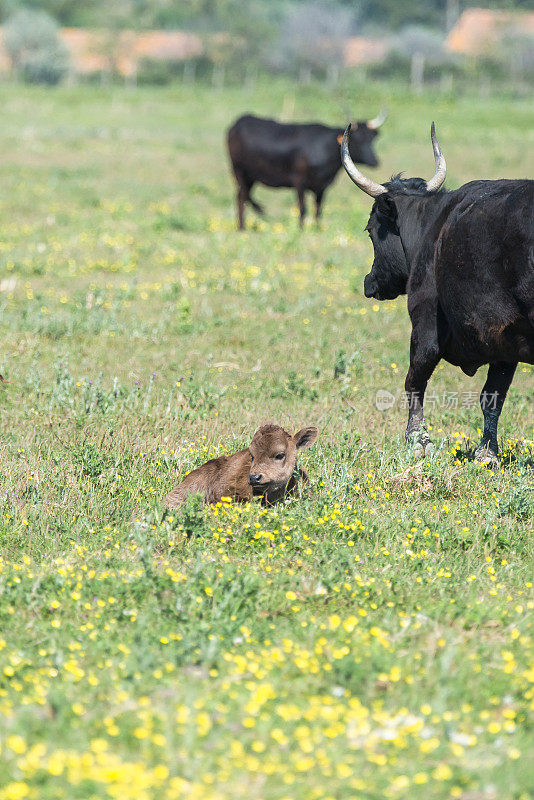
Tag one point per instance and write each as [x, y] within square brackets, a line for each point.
[465, 259]
[303, 157]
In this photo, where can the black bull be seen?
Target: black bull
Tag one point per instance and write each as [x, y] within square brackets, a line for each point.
[465, 259]
[302, 157]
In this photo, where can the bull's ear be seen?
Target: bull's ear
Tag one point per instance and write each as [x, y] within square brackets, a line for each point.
[305, 437]
[353, 128]
[386, 206]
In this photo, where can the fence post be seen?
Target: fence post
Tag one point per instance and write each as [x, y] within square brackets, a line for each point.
[190, 68]
[130, 79]
[304, 74]
[446, 82]
[484, 86]
[417, 72]
[332, 74]
[251, 75]
[217, 78]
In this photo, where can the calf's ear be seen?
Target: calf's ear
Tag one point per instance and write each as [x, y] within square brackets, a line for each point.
[305, 437]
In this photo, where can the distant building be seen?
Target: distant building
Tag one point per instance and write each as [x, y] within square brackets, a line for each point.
[87, 50]
[359, 50]
[480, 30]
[96, 51]
[168, 46]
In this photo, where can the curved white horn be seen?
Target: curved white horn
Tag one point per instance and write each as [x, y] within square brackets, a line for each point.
[366, 184]
[436, 182]
[375, 123]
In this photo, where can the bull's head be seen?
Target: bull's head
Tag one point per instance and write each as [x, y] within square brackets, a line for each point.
[274, 454]
[362, 137]
[390, 271]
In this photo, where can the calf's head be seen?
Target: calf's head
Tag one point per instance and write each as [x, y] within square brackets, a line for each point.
[389, 274]
[274, 454]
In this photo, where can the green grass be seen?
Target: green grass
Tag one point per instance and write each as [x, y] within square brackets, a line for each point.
[370, 641]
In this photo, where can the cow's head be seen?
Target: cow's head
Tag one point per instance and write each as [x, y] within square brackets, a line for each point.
[274, 454]
[390, 271]
[361, 140]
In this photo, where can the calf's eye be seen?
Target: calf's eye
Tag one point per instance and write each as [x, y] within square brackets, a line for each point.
[279, 456]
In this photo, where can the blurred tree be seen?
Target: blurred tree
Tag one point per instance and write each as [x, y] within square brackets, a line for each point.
[251, 17]
[393, 15]
[417, 39]
[516, 53]
[312, 38]
[250, 26]
[36, 52]
[66, 12]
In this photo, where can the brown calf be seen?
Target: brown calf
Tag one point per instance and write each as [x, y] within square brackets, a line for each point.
[267, 468]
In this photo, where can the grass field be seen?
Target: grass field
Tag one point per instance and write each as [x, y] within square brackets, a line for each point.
[372, 640]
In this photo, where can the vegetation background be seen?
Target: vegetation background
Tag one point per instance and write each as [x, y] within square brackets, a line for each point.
[302, 38]
[370, 640]
[227, 14]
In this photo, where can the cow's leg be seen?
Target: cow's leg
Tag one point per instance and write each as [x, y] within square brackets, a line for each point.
[256, 206]
[241, 200]
[318, 204]
[243, 191]
[424, 357]
[302, 204]
[492, 397]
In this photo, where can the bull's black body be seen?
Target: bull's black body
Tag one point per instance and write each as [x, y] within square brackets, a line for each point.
[302, 157]
[465, 259]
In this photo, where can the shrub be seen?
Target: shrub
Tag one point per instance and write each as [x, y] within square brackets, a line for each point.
[36, 51]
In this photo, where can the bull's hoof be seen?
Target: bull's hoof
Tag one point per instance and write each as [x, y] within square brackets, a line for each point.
[421, 443]
[424, 450]
[486, 454]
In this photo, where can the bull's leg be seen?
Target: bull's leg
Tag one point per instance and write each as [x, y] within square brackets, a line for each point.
[424, 357]
[492, 397]
[243, 189]
[302, 204]
[318, 204]
[241, 200]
